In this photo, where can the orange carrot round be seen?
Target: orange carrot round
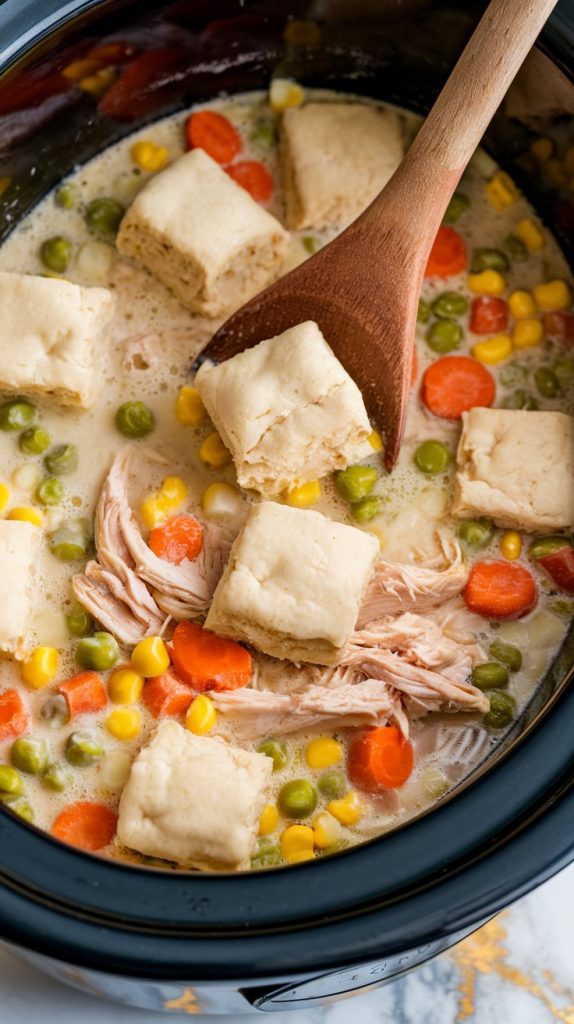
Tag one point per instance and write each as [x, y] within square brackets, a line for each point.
[165, 695]
[448, 255]
[178, 538]
[208, 662]
[84, 693]
[87, 825]
[499, 590]
[381, 758]
[254, 177]
[454, 384]
[14, 717]
[212, 132]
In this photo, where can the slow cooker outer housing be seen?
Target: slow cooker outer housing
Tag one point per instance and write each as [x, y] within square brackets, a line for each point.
[294, 936]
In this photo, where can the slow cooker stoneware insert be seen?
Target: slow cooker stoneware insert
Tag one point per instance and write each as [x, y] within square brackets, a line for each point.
[298, 936]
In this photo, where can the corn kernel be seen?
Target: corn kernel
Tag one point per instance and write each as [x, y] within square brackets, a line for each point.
[80, 68]
[269, 820]
[213, 452]
[189, 409]
[527, 333]
[568, 161]
[347, 810]
[40, 667]
[375, 441]
[552, 296]
[542, 149]
[125, 686]
[201, 715]
[220, 500]
[124, 723]
[529, 232]
[326, 829]
[323, 752]
[284, 93]
[521, 304]
[153, 512]
[297, 844]
[510, 545]
[501, 191]
[150, 657]
[488, 282]
[555, 172]
[304, 495]
[494, 350]
[4, 496]
[26, 514]
[148, 155]
[173, 491]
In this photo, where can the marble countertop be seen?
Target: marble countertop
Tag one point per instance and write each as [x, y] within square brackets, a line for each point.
[518, 969]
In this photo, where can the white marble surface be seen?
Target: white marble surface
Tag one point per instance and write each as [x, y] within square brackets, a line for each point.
[519, 969]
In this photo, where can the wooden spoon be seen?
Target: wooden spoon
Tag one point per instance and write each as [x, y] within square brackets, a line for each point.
[363, 288]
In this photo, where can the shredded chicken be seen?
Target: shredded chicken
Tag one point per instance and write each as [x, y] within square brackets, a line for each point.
[419, 641]
[94, 594]
[397, 588]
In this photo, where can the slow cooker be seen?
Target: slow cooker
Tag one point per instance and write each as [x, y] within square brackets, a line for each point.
[303, 935]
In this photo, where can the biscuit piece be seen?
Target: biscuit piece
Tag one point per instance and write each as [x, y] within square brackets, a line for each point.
[53, 337]
[517, 467]
[293, 584]
[287, 410]
[193, 800]
[335, 158]
[203, 236]
[19, 551]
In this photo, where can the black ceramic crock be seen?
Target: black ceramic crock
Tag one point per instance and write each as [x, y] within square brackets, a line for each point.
[297, 936]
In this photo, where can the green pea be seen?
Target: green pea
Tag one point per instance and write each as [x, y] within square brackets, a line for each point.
[50, 491]
[17, 414]
[103, 217]
[563, 607]
[55, 711]
[63, 459]
[11, 784]
[311, 244]
[79, 622]
[564, 371]
[423, 312]
[507, 654]
[277, 750]
[544, 546]
[297, 799]
[491, 675]
[515, 248]
[98, 652]
[450, 304]
[332, 784]
[367, 509]
[456, 207]
[520, 400]
[502, 710]
[513, 374]
[477, 533]
[546, 382]
[56, 778]
[24, 810]
[83, 749]
[444, 335]
[432, 457]
[55, 253]
[69, 541]
[34, 441]
[267, 854]
[29, 755]
[264, 134]
[355, 482]
[134, 419]
[489, 259]
[67, 196]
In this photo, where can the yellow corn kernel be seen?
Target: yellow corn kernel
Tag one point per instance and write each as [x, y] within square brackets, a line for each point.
[80, 68]
[529, 232]
[501, 191]
[568, 161]
[527, 333]
[98, 83]
[554, 170]
[125, 686]
[220, 500]
[494, 350]
[26, 514]
[326, 829]
[124, 723]
[347, 810]
[542, 149]
[375, 441]
[150, 657]
[304, 495]
[510, 545]
[149, 155]
[40, 667]
[172, 492]
[201, 715]
[488, 282]
[213, 452]
[297, 843]
[189, 409]
[323, 752]
[522, 304]
[552, 295]
[153, 512]
[285, 93]
[269, 820]
[4, 496]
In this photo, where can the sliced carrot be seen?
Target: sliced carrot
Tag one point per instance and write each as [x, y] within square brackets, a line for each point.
[14, 716]
[559, 326]
[254, 177]
[448, 255]
[87, 825]
[381, 758]
[85, 693]
[166, 695]
[178, 538]
[499, 590]
[209, 662]
[454, 384]
[488, 315]
[560, 567]
[212, 132]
